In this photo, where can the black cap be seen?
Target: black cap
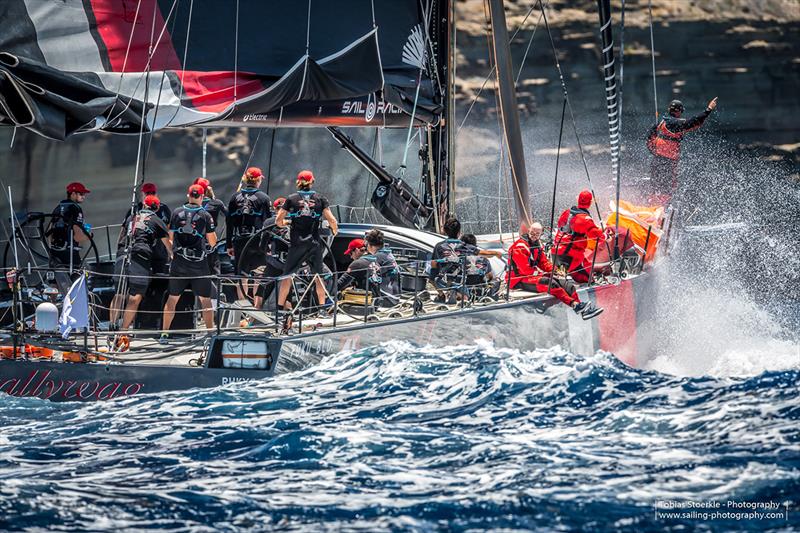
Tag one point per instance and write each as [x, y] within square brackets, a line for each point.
[676, 105]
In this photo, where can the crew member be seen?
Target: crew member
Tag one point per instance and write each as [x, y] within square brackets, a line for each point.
[575, 229]
[67, 229]
[160, 255]
[247, 210]
[376, 269]
[478, 268]
[191, 233]
[305, 209]
[215, 207]
[146, 229]
[355, 249]
[447, 263]
[664, 141]
[364, 272]
[275, 241]
[445, 268]
[164, 212]
[530, 270]
[390, 272]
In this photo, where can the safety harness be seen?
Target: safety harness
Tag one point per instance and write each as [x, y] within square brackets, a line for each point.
[187, 230]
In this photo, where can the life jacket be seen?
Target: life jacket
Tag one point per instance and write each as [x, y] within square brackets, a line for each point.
[534, 250]
[474, 264]
[450, 262]
[373, 274]
[250, 215]
[140, 229]
[567, 236]
[58, 229]
[666, 143]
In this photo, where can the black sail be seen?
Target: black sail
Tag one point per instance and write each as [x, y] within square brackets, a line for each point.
[254, 62]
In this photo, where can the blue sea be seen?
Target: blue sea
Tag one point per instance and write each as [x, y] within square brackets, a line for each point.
[402, 438]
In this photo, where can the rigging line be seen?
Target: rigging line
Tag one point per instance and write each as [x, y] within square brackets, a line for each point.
[129, 233]
[558, 157]
[569, 106]
[619, 125]
[491, 71]
[411, 124]
[433, 67]
[501, 166]
[183, 66]
[252, 153]
[366, 189]
[269, 163]
[653, 56]
[158, 104]
[519, 74]
[205, 151]
[425, 22]
[151, 52]
[128, 48]
[25, 242]
[236, 56]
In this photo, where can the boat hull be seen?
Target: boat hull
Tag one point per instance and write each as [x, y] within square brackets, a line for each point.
[525, 324]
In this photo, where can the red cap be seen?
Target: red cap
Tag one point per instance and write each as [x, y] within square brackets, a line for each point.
[149, 188]
[278, 203]
[152, 201]
[585, 199]
[77, 186]
[305, 176]
[204, 183]
[253, 172]
[196, 191]
[355, 244]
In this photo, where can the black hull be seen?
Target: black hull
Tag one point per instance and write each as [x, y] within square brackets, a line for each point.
[524, 325]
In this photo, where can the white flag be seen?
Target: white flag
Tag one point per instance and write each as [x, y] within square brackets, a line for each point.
[75, 313]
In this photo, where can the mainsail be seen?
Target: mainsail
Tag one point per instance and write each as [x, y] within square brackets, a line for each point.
[78, 65]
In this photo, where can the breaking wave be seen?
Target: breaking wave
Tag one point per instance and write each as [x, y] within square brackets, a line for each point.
[408, 438]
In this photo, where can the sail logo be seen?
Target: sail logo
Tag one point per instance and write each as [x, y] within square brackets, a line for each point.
[358, 107]
[414, 49]
[371, 107]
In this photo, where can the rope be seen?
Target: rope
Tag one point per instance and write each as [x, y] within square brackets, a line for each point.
[492, 70]
[558, 157]
[151, 52]
[236, 55]
[653, 56]
[269, 161]
[569, 106]
[619, 124]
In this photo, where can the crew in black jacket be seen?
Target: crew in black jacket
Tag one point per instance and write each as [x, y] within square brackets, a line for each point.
[664, 141]
[247, 210]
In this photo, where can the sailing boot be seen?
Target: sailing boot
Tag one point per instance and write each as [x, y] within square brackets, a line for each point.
[590, 311]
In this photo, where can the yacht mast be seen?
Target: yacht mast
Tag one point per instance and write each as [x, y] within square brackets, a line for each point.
[508, 109]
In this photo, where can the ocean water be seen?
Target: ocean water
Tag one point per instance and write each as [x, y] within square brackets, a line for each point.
[417, 439]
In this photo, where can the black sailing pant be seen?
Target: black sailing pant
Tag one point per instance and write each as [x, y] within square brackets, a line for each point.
[663, 176]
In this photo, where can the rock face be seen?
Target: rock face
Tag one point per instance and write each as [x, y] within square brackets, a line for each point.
[745, 52]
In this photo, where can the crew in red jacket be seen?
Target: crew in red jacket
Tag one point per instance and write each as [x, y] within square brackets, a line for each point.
[575, 229]
[530, 270]
[664, 142]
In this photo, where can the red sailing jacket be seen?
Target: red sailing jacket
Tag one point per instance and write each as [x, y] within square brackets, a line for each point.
[582, 230]
[526, 263]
